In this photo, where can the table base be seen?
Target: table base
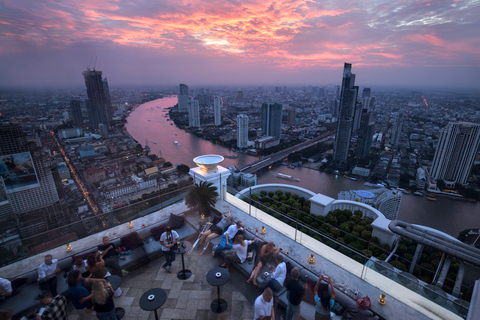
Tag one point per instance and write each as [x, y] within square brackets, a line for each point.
[218, 305]
[184, 274]
[119, 312]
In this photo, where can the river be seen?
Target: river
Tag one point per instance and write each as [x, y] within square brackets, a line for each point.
[148, 121]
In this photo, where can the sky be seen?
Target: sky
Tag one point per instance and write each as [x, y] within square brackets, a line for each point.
[245, 42]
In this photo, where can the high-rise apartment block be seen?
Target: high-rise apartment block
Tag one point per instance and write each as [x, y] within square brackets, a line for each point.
[272, 119]
[367, 126]
[455, 153]
[183, 97]
[239, 96]
[242, 138]
[216, 111]
[193, 112]
[98, 103]
[348, 101]
[291, 118]
[76, 112]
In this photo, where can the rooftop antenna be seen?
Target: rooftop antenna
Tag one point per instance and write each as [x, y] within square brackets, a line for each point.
[95, 64]
[88, 67]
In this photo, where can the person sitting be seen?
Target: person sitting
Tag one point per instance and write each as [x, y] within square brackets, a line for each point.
[323, 301]
[265, 254]
[80, 265]
[5, 288]
[102, 299]
[278, 275]
[227, 237]
[168, 240]
[264, 306]
[55, 308]
[110, 252]
[215, 231]
[81, 298]
[240, 254]
[47, 274]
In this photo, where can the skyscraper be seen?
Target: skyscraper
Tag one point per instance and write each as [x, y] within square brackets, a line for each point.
[76, 112]
[291, 117]
[457, 146]
[348, 100]
[239, 97]
[98, 104]
[272, 119]
[216, 111]
[183, 97]
[193, 112]
[367, 126]
[242, 137]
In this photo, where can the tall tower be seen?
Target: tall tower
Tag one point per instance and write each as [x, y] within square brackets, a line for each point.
[457, 146]
[367, 126]
[193, 112]
[183, 97]
[98, 106]
[242, 138]
[216, 111]
[76, 112]
[272, 119]
[348, 100]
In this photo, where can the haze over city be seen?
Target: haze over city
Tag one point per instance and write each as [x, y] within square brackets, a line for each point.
[416, 43]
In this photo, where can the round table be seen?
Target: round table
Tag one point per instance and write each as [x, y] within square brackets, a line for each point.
[183, 247]
[218, 305]
[115, 281]
[159, 298]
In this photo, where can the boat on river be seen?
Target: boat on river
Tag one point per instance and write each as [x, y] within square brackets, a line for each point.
[176, 142]
[231, 156]
[287, 177]
[154, 142]
[432, 198]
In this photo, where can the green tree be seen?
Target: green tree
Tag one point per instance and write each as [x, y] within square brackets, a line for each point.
[202, 196]
[279, 193]
[183, 169]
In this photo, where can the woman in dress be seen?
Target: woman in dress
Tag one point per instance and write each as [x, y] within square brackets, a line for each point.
[216, 230]
[102, 299]
[265, 254]
[323, 301]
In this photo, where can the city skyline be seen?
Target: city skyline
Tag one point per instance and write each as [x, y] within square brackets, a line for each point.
[257, 42]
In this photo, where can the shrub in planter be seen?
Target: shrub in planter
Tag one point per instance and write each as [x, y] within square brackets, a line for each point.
[271, 194]
[288, 194]
[279, 193]
[263, 193]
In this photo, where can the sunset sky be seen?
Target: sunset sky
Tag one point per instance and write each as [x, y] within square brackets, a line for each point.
[247, 42]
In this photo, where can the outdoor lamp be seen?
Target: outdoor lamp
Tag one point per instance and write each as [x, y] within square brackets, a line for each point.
[312, 258]
[69, 247]
[130, 225]
[202, 216]
[263, 230]
[382, 299]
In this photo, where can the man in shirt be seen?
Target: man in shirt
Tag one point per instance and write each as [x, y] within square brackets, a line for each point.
[5, 288]
[47, 274]
[168, 239]
[278, 275]
[295, 294]
[264, 305]
[55, 308]
[227, 237]
[109, 253]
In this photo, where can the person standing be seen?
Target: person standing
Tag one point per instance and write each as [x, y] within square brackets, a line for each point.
[55, 308]
[227, 237]
[110, 252]
[81, 298]
[102, 299]
[295, 294]
[323, 301]
[264, 306]
[168, 240]
[47, 275]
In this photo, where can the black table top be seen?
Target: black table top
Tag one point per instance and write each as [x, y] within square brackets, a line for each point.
[115, 281]
[157, 302]
[212, 278]
[188, 246]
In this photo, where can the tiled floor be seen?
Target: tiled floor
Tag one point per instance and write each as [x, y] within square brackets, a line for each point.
[189, 299]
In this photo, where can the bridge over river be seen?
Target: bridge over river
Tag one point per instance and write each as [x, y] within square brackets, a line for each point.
[279, 156]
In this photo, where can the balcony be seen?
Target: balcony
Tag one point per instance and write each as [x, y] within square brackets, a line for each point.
[191, 299]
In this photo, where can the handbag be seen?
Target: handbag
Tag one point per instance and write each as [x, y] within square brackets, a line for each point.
[364, 303]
